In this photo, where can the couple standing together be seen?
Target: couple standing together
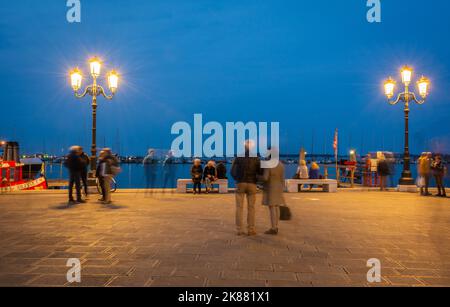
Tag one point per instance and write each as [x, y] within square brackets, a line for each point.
[247, 171]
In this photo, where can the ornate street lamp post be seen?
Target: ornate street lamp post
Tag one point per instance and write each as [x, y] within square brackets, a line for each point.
[406, 181]
[94, 90]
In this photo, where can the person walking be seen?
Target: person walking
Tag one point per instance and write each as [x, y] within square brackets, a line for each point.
[273, 197]
[424, 165]
[368, 171]
[383, 171]
[196, 175]
[169, 172]
[245, 171]
[75, 166]
[108, 167]
[150, 165]
[209, 175]
[439, 171]
[84, 171]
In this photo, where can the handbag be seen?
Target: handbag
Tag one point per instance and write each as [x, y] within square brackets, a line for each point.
[285, 213]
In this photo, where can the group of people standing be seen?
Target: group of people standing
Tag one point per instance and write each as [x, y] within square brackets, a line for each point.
[247, 172]
[431, 166]
[208, 175]
[77, 162]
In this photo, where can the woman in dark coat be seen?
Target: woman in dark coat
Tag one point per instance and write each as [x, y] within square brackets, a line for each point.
[273, 197]
[197, 175]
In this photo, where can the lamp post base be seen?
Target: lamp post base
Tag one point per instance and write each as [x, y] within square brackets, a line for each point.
[407, 188]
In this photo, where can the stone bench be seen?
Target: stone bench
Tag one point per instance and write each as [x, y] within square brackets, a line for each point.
[183, 183]
[329, 185]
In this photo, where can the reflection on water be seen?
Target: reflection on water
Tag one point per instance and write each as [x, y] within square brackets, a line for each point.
[139, 176]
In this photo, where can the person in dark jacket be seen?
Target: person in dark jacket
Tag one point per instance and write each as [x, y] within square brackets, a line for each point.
[245, 171]
[209, 175]
[221, 171]
[197, 175]
[75, 166]
[438, 168]
[383, 172]
[84, 172]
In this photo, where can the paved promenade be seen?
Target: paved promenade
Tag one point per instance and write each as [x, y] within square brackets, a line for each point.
[182, 240]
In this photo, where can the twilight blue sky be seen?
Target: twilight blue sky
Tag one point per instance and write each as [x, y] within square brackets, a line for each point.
[311, 65]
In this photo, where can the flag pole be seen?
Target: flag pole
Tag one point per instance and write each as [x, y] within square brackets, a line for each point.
[336, 146]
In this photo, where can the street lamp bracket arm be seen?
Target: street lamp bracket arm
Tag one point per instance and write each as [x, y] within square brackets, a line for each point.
[418, 101]
[86, 91]
[102, 91]
[400, 97]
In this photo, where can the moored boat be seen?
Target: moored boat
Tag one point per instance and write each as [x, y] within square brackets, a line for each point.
[13, 176]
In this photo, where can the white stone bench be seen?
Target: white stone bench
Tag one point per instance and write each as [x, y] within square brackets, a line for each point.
[183, 183]
[329, 185]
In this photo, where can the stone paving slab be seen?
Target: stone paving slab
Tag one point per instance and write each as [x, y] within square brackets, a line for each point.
[165, 239]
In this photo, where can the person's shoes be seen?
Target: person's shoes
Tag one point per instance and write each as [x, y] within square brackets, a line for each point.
[240, 233]
[428, 194]
[438, 195]
[107, 202]
[251, 233]
[71, 202]
[272, 232]
[81, 201]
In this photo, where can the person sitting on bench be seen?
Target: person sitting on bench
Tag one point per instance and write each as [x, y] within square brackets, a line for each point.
[209, 175]
[197, 174]
[302, 172]
[314, 173]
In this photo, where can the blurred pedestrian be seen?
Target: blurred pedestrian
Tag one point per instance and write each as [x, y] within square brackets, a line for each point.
[150, 165]
[245, 171]
[84, 172]
[424, 170]
[439, 171]
[368, 171]
[108, 167]
[75, 166]
[383, 171]
[169, 172]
